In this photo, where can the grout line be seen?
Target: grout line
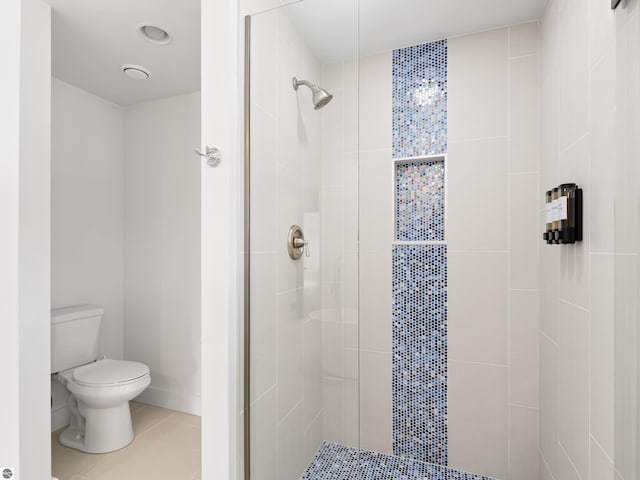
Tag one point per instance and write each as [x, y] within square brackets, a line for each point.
[554, 343]
[575, 469]
[586, 310]
[601, 448]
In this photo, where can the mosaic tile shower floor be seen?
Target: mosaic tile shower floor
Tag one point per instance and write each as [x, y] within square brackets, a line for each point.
[338, 462]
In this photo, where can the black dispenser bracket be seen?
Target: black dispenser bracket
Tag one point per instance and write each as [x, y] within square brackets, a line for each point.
[563, 215]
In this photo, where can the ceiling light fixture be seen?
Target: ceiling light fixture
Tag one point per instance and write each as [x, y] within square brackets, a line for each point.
[155, 34]
[135, 72]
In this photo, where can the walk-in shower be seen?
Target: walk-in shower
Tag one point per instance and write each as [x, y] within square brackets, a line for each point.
[411, 340]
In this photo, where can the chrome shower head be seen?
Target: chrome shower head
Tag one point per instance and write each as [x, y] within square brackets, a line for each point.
[320, 96]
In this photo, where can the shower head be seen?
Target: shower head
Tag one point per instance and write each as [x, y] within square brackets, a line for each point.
[320, 97]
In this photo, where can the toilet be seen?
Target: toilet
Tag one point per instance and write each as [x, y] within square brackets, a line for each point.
[99, 390]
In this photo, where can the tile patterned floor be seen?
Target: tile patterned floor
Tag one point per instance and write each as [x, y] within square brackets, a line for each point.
[338, 462]
[166, 447]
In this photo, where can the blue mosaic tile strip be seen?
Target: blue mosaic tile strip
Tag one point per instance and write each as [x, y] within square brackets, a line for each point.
[420, 201]
[419, 371]
[420, 100]
[338, 462]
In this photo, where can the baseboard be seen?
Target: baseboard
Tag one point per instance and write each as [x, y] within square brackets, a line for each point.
[182, 402]
[59, 417]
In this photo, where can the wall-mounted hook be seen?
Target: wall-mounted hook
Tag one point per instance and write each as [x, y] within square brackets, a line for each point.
[213, 155]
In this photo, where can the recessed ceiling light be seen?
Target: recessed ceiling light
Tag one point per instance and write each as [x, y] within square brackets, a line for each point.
[155, 34]
[136, 72]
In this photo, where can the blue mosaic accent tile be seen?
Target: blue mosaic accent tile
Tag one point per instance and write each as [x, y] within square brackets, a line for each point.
[420, 201]
[419, 371]
[420, 100]
[338, 462]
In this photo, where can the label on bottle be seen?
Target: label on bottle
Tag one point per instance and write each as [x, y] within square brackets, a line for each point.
[548, 212]
[563, 211]
[554, 211]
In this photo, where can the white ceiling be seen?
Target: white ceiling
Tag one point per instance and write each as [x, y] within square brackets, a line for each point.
[92, 39]
[328, 25]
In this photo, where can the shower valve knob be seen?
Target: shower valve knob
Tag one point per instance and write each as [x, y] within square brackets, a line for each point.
[213, 155]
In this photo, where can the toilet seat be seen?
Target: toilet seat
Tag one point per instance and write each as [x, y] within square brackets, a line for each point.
[107, 373]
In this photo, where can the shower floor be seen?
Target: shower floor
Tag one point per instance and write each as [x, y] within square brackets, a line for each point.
[338, 462]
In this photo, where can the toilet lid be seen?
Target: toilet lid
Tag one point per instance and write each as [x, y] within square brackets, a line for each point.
[109, 372]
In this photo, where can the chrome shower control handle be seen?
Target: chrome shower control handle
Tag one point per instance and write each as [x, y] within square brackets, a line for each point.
[296, 243]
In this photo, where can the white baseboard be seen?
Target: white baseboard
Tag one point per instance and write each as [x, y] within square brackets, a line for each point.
[182, 402]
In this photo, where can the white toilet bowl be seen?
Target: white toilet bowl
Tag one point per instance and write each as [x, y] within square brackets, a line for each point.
[100, 419]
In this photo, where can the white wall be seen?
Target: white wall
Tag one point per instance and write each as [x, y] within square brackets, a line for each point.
[35, 244]
[88, 208]
[626, 438]
[286, 354]
[25, 444]
[162, 248]
[87, 224]
[578, 282]
[493, 238]
[339, 249]
[376, 217]
[9, 236]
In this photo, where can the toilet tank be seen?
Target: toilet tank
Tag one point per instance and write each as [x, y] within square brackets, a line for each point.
[74, 336]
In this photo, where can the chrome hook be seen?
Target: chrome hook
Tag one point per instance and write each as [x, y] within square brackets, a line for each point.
[212, 155]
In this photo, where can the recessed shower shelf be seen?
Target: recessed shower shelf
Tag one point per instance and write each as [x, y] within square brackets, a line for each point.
[419, 199]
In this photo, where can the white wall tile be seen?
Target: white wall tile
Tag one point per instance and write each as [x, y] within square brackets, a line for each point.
[263, 181]
[523, 452]
[549, 273]
[332, 347]
[524, 39]
[477, 195]
[332, 410]
[549, 403]
[264, 437]
[478, 80]
[264, 62]
[291, 460]
[332, 76]
[352, 107]
[478, 429]
[376, 200]
[312, 371]
[289, 359]
[375, 312]
[573, 285]
[263, 324]
[375, 412]
[375, 111]
[573, 385]
[602, 347]
[573, 70]
[601, 465]
[524, 348]
[524, 231]
[566, 469]
[602, 154]
[313, 437]
[477, 304]
[524, 120]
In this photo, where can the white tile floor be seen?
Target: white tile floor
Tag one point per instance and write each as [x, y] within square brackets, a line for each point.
[166, 447]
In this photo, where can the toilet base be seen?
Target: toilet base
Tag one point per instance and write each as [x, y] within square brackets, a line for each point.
[100, 430]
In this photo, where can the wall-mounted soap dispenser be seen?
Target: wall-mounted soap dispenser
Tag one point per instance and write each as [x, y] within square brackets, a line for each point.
[563, 215]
